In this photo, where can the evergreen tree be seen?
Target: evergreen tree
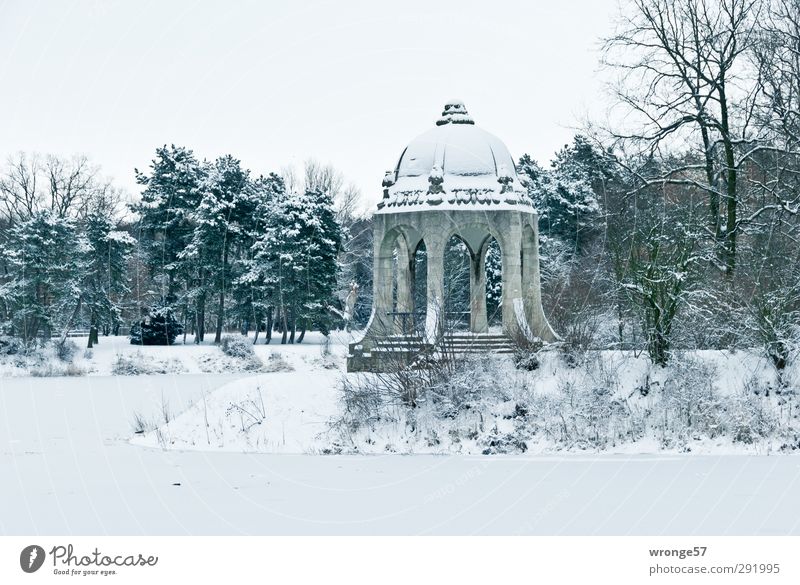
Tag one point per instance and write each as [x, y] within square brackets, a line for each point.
[171, 194]
[252, 298]
[220, 220]
[295, 260]
[568, 195]
[44, 259]
[105, 281]
[159, 327]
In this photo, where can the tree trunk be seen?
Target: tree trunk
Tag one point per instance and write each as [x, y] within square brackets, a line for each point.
[268, 328]
[200, 319]
[93, 337]
[731, 186]
[220, 317]
[68, 326]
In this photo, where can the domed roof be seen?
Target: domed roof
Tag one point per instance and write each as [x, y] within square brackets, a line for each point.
[453, 165]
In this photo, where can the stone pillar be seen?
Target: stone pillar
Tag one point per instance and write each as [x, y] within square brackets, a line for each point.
[478, 323]
[404, 323]
[381, 323]
[512, 281]
[531, 287]
[434, 319]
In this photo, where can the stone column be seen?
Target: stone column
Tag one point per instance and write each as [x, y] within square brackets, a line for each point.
[478, 323]
[405, 286]
[531, 287]
[434, 320]
[512, 280]
[381, 323]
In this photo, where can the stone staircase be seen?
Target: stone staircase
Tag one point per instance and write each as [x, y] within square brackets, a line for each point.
[455, 343]
[471, 343]
[388, 350]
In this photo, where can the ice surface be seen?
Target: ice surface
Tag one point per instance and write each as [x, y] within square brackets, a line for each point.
[67, 467]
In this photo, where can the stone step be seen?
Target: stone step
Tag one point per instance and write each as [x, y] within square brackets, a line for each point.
[459, 344]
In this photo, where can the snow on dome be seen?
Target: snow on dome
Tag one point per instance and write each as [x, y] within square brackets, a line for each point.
[456, 164]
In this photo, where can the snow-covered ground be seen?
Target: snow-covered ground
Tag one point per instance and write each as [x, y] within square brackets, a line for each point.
[71, 463]
[67, 468]
[614, 402]
[178, 358]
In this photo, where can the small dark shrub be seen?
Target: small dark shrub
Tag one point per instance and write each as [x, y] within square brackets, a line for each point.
[10, 345]
[159, 328]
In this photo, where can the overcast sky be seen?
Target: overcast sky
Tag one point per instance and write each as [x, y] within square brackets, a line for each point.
[273, 83]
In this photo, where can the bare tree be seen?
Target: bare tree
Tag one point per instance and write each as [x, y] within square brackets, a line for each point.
[686, 80]
[18, 186]
[63, 186]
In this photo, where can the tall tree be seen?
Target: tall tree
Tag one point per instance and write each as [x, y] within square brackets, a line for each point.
[221, 218]
[684, 80]
[44, 259]
[171, 194]
[296, 261]
[105, 282]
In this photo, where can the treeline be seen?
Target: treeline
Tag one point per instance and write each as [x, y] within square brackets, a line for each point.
[205, 246]
[675, 224]
[223, 246]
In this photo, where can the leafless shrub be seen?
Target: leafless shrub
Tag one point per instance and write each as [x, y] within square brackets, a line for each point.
[139, 364]
[526, 353]
[690, 405]
[251, 411]
[140, 424]
[51, 370]
[277, 363]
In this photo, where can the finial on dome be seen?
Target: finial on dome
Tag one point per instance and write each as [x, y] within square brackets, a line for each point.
[388, 181]
[454, 113]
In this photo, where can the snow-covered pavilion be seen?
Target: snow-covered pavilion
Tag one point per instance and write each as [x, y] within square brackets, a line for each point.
[454, 180]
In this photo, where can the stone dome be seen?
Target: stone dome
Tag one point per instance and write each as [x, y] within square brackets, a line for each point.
[453, 165]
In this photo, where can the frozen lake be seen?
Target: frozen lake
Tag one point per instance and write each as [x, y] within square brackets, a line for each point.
[66, 468]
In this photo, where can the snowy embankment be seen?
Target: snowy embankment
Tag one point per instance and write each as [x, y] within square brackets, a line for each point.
[68, 468]
[298, 399]
[705, 402]
[271, 413]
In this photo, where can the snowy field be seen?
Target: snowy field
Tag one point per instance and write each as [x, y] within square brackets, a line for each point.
[71, 463]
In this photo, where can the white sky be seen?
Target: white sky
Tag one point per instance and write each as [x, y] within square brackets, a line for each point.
[273, 83]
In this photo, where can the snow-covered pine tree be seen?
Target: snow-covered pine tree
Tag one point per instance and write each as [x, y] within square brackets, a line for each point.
[105, 282]
[494, 282]
[221, 218]
[170, 196]
[44, 259]
[295, 261]
[323, 243]
[253, 299]
[568, 195]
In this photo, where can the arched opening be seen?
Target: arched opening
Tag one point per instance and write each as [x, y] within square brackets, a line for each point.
[493, 269]
[403, 306]
[457, 291]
